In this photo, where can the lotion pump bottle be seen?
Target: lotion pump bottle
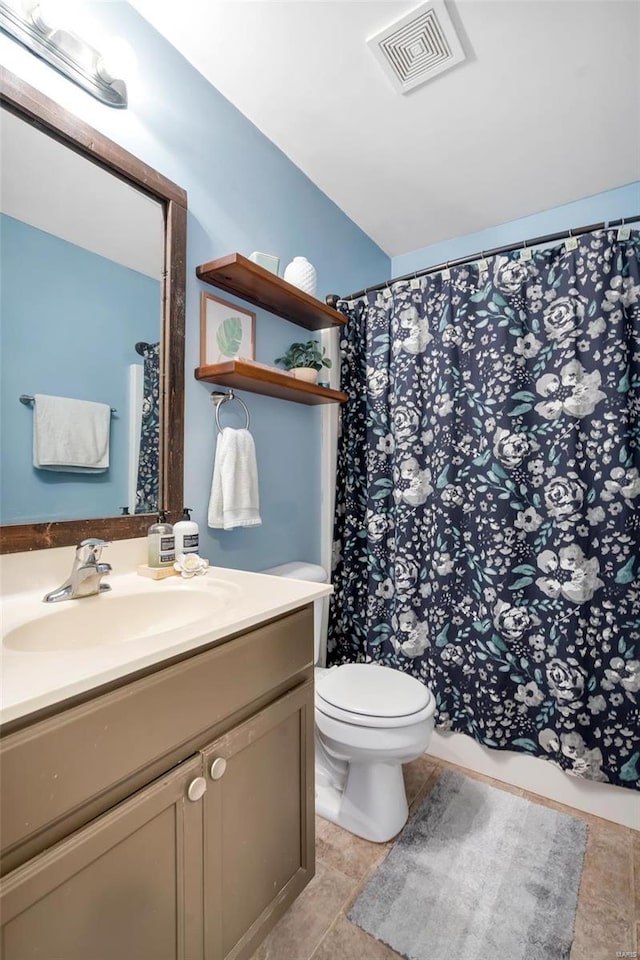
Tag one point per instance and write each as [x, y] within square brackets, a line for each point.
[161, 542]
[186, 533]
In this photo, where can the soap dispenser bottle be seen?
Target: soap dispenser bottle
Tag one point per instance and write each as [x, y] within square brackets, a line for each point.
[186, 533]
[161, 542]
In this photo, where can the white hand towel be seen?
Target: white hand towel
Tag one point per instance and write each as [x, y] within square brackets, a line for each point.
[70, 435]
[234, 490]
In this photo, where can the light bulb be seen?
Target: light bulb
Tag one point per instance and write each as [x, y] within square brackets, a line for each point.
[50, 15]
[117, 60]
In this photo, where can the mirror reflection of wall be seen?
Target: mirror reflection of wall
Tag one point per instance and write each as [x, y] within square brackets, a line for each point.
[81, 262]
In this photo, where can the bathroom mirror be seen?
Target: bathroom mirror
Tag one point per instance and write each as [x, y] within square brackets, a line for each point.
[120, 343]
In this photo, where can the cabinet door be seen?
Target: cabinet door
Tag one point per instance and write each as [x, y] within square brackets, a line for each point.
[258, 823]
[128, 885]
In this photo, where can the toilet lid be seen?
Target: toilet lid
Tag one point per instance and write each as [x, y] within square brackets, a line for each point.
[370, 690]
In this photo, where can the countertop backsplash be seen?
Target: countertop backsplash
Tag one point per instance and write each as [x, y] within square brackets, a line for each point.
[47, 569]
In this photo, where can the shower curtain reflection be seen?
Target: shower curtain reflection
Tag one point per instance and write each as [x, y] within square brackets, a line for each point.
[148, 461]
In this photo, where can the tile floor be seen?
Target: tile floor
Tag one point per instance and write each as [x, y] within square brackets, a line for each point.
[316, 926]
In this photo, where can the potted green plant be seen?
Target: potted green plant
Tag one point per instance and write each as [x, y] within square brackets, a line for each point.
[304, 360]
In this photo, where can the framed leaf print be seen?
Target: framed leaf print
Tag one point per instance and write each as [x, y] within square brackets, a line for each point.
[227, 332]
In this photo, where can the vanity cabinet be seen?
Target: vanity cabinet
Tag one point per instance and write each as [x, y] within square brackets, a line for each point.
[202, 858]
[258, 823]
[128, 885]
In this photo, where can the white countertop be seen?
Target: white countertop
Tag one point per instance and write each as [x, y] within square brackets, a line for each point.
[224, 602]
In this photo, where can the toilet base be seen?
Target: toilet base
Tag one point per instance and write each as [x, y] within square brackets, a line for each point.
[373, 803]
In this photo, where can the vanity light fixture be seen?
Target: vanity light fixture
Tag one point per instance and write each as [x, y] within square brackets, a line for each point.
[35, 27]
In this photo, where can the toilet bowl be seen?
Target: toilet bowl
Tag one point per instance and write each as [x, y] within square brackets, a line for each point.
[369, 720]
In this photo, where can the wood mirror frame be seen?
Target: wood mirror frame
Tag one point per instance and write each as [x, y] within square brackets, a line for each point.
[35, 108]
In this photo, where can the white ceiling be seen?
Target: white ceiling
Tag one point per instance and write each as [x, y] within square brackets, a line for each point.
[36, 172]
[545, 110]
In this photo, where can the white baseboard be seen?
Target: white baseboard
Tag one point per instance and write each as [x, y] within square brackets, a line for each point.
[539, 776]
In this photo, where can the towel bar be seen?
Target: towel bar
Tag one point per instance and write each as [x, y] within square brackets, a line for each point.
[219, 397]
[27, 399]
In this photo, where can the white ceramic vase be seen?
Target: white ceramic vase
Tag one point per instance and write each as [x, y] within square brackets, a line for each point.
[301, 274]
[305, 373]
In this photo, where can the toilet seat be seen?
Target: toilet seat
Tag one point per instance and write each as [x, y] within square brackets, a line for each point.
[371, 695]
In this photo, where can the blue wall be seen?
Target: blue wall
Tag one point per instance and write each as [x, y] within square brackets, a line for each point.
[610, 205]
[72, 340]
[244, 195]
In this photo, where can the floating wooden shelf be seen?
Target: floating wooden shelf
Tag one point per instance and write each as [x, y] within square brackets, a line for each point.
[244, 375]
[236, 274]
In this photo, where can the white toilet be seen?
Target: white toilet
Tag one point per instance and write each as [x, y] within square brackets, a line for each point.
[369, 721]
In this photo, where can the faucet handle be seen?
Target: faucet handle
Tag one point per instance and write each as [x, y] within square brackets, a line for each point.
[90, 551]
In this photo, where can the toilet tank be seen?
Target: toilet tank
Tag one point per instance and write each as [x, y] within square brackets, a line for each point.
[312, 572]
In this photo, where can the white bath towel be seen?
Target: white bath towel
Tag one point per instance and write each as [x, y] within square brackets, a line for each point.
[234, 490]
[70, 435]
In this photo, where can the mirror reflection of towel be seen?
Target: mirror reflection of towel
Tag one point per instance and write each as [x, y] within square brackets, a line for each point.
[234, 490]
[70, 435]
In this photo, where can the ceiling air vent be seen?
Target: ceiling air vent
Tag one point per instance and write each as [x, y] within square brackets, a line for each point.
[418, 47]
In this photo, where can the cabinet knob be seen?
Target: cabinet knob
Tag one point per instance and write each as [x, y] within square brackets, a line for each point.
[197, 789]
[218, 768]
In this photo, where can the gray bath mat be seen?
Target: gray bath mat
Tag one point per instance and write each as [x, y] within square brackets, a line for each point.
[477, 873]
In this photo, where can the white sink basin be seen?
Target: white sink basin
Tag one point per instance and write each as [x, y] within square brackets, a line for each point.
[118, 618]
[52, 652]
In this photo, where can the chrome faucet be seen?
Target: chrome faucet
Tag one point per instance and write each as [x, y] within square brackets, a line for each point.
[86, 574]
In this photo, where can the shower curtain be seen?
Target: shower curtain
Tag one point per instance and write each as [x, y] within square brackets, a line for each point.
[487, 531]
[148, 462]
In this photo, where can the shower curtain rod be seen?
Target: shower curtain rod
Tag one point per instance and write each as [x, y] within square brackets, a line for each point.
[549, 238]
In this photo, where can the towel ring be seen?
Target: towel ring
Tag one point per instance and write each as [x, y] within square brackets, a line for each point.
[218, 397]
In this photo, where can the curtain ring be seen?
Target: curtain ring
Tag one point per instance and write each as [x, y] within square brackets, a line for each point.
[220, 398]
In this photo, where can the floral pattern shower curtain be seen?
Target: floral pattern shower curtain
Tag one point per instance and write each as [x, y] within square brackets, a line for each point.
[487, 535]
[149, 462]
